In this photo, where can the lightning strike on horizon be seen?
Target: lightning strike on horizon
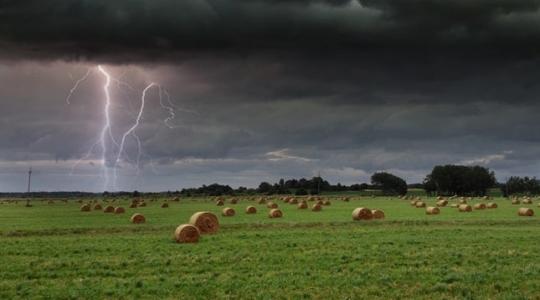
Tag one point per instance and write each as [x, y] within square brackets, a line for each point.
[76, 85]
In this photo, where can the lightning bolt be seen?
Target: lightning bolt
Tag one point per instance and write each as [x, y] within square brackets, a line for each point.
[76, 85]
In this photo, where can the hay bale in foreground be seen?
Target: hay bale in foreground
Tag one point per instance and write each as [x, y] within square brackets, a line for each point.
[316, 207]
[108, 209]
[431, 210]
[492, 205]
[362, 213]
[187, 233]
[442, 203]
[479, 206]
[377, 214]
[271, 205]
[119, 210]
[464, 208]
[206, 222]
[228, 212]
[302, 205]
[525, 212]
[251, 210]
[275, 213]
[85, 207]
[138, 219]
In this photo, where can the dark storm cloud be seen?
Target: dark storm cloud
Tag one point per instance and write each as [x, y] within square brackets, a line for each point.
[172, 30]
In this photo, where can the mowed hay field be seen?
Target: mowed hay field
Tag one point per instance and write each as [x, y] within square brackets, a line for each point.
[57, 251]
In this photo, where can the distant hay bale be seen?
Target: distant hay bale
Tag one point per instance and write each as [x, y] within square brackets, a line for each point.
[219, 203]
[119, 210]
[176, 199]
[234, 201]
[85, 207]
[377, 214]
[251, 210]
[206, 222]
[431, 210]
[316, 207]
[413, 202]
[515, 201]
[479, 206]
[228, 212]
[164, 205]
[187, 233]
[302, 205]
[362, 213]
[293, 201]
[442, 203]
[464, 208]
[108, 209]
[525, 212]
[271, 205]
[527, 201]
[311, 198]
[462, 201]
[261, 201]
[327, 203]
[98, 207]
[138, 219]
[420, 204]
[275, 213]
[491, 205]
[133, 205]
[346, 199]
[454, 205]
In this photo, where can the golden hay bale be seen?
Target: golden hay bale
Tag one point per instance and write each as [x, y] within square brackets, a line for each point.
[302, 205]
[138, 219]
[464, 208]
[479, 206]
[261, 201]
[377, 214]
[98, 207]
[251, 210]
[133, 205]
[420, 204]
[454, 205]
[164, 205]
[176, 199]
[362, 213]
[219, 203]
[431, 210]
[346, 199]
[327, 202]
[413, 202]
[207, 222]
[142, 204]
[187, 233]
[271, 205]
[442, 203]
[320, 202]
[228, 212]
[275, 213]
[462, 201]
[293, 201]
[525, 212]
[234, 201]
[85, 207]
[119, 210]
[515, 201]
[527, 201]
[491, 205]
[316, 207]
[108, 209]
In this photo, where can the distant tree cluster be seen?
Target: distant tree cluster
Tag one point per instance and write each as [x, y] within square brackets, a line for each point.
[451, 180]
[521, 186]
[209, 190]
[389, 184]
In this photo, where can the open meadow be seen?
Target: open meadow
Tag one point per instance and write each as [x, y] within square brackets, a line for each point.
[53, 250]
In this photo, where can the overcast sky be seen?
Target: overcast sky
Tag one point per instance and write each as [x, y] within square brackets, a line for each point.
[265, 89]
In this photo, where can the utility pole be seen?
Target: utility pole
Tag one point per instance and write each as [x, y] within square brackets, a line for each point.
[29, 179]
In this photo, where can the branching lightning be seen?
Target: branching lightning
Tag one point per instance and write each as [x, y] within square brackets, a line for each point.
[110, 147]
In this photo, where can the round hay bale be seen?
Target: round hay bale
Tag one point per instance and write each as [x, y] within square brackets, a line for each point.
[525, 212]
[479, 206]
[527, 201]
[187, 233]
[206, 222]
[420, 204]
[491, 205]
[133, 205]
[515, 201]
[98, 207]
[413, 202]
[228, 212]
[219, 203]
[431, 210]
[316, 207]
[464, 208]
[293, 201]
[462, 201]
[251, 210]
[261, 201]
[346, 199]
[85, 207]
[119, 210]
[302, 205]
[327, 203]
[320, 202]
[164, 205]
[271, 205]
[442, 203]
[234, 201]
[142, 204]
[377, 214]
[362, 213]
[108, 209]
[138, 219]
[454, 205]
[275, 213]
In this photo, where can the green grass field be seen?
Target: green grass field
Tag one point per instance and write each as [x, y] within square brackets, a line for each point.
[56, 251]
